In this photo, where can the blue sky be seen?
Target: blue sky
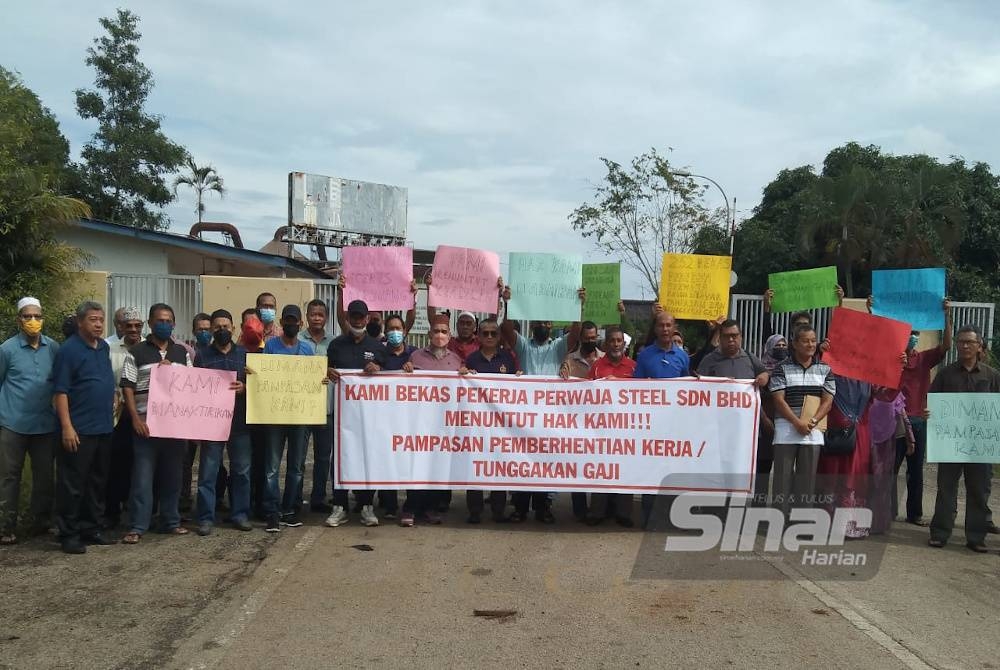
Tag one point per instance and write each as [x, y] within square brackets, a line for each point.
[494, 114]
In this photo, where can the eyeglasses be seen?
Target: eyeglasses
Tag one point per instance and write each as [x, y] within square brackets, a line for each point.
[489, 333]
[967, 343]
[31, 317]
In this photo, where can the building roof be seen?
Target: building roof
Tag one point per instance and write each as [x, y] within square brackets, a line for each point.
[202, 246]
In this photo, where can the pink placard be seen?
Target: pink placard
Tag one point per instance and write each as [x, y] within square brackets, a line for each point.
[190, 403]
[465, 279]
[380, 276]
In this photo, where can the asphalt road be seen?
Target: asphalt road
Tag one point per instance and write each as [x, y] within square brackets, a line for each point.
[308, 598]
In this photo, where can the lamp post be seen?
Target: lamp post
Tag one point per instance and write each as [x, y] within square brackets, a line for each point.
[729, 212]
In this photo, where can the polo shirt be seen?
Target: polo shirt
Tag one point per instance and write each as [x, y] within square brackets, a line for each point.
[397, 361]
[605, 367]
[797, 382]
[463, 349]
[579, 367]
[344, 353]
[955, 378]
[319, 349]
[656, 363]
[26, 385]
[742, 366]
[83, 374]
[541, 359]
[235, 360]
[276, 346]
[424, 359]
[916, 379]
[501, 363]
[139, 364]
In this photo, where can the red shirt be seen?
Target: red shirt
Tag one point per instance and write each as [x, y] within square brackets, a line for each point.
[463, 349]
[605, 367]
[917, 379]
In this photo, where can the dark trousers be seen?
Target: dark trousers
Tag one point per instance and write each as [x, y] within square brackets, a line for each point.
[119, 470]
[579, 502]
[914, 471]
[498, 503]
[258, 468]
[190, 453]
[539, 501]
[977, 487]
[656, 509]
[13, 448]
[604, 505]
[418, 502]
[389, 501]
[81, 482]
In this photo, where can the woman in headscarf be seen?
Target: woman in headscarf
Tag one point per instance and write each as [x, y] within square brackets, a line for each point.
[890, 426]
[845, 477]
[775, 351]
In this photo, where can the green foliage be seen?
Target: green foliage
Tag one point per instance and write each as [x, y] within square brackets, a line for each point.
[125, 163]
[33, 172]
[201, 179]
[641, 211]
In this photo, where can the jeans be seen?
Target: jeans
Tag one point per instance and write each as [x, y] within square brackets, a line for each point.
[80, 490]
[914, 471]
[120, 470]
[13, 447]
[291, 501]
[239, 477]
[258, 467]
[322, 438]
[161, 459]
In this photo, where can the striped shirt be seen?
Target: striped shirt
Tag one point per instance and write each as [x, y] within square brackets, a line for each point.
[139, 364]
[797, 382]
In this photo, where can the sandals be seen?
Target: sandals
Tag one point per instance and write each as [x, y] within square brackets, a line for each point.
[131, 538]
[179, 530]
[7, 540]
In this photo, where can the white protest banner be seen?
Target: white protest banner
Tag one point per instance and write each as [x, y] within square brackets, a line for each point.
[426, 431]
[190, 403]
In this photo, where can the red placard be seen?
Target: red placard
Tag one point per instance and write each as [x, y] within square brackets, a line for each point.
[866, 347]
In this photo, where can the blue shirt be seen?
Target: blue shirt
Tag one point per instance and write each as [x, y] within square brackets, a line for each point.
[320, 349]
[397, 361]
[26, 385]
[211, 358]
[83, 373]
[502, 362]
[541, 359]
[300, 348]
[656, 363]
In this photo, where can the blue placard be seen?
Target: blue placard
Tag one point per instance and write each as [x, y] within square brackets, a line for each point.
[912, 296]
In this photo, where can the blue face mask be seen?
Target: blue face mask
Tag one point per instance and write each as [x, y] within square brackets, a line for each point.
[162, 331]
[394, 337]
[203, 337]
[912, 344]
[267, 315]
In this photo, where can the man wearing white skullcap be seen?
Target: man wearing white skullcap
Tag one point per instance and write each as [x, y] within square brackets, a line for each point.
[27, 421]
[129, 324]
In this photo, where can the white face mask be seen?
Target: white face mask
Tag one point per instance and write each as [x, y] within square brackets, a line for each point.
[358, 332]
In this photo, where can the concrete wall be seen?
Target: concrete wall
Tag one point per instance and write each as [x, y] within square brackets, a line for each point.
[118, 254]
[238, 293]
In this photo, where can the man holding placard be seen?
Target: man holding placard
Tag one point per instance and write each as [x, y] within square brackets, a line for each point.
[966, 375]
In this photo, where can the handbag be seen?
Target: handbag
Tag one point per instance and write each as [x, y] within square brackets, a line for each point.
[840, 441]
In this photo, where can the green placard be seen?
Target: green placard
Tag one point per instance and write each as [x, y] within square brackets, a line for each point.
[544, 286]
[803, 289]
[963, 428]
[603, 282]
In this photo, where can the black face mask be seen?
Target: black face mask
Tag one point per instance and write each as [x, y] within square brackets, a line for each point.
[223, 337]
[587, 348]
[374, 328]
[780, 354]
[541, 333]
[290, 329]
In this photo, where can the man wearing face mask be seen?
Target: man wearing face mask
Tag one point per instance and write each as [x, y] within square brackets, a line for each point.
[375, 319]
[354, 350]
[154, 458]
[290, 502]
[27, 421]
[201, 327]
[577, 365]
[397, 354]
[915, 382]
[120, 469]
[267, 310]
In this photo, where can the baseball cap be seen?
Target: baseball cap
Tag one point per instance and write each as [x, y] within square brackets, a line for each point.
[291, 310]
[357, 307]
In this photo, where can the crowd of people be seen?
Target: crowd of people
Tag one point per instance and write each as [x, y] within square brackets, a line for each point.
[78, 409]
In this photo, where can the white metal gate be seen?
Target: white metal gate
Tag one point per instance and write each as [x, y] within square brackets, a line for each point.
[181, 292]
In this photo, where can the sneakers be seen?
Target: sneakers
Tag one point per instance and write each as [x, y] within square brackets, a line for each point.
[242, 524]
[368, 517]
[406, 521]
[204, 529]
[272, 525]
[291, 520]
[337, 517]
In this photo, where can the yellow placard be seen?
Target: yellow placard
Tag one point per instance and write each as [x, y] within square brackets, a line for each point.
[693, 286]
[286, 390]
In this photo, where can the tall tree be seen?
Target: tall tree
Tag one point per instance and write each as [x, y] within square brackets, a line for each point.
[33, 169]
[641, 211]
[201, 179]
[125, 163]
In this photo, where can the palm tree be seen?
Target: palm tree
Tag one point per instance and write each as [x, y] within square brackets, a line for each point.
[201, 179]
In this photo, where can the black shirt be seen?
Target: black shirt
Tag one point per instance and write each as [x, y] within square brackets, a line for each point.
[346, 354]
[501, 363]
[955, 378]
[211, 358]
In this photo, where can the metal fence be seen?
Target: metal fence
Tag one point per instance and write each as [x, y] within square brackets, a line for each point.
[181, 292]
[326, 290]
[979, 314]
